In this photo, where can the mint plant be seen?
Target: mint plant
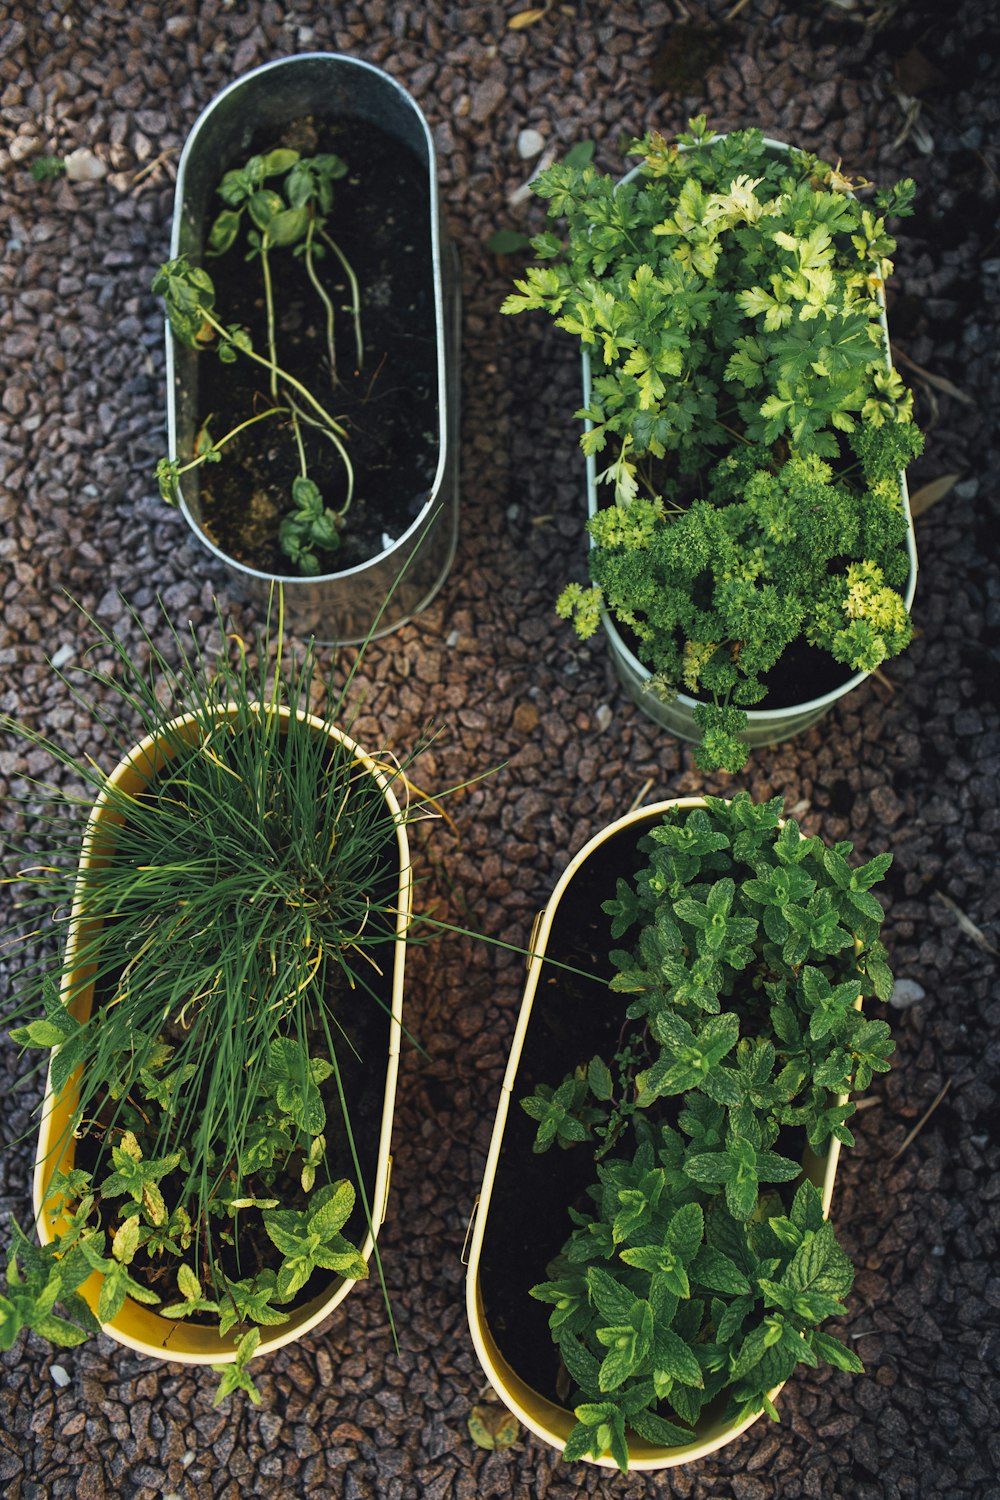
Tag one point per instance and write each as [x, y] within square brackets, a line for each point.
[277, 203]
[233, 941]
[751, 429]
[698, 1271]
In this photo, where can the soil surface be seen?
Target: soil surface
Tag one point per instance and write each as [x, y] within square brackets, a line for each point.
[910, 761]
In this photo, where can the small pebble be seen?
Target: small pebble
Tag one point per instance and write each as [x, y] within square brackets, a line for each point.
[529, 144]
[83, 166]
[906, 992]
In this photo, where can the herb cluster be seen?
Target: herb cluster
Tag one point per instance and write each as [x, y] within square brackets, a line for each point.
[730, 295]
[280, 201]
[690, 1279]
[243, 922]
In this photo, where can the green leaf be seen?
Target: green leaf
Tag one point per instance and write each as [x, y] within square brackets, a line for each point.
[612, 1300]
[235, 1376]
[717, 1273]
[508, 242]
[188, 1283]
[222, 234]
[673, 1356]
[10, 1323]
[39, 1034]
[599, 1078]
[580, 1364]
[579, 155]
[114, 1290]
[331, 1208]
[279, 161]
[126, 1241]
[686, 1231]
[835, 1353]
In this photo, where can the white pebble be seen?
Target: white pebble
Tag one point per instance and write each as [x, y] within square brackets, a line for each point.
[59, 1375]
[603, 717]
[83, 166]
[906, 992]
[60, 657]
[529, 144]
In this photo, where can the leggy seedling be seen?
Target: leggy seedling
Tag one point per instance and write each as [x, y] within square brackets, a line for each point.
[276, 202]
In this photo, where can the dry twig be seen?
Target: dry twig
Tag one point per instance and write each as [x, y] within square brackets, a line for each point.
[939, 382]
[967, 925]
[922, 1121]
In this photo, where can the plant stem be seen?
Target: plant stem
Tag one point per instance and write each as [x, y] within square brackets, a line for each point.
[321, 292]
[300, 416]
[355, 296]
[296, 428]
[740, 437]
[272, 411]
[296, 385]
[269, 306]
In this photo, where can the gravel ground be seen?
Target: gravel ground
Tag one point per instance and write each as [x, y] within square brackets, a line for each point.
[908, 762]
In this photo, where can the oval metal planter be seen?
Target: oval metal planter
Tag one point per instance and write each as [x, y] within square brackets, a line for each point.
[544, 1417]
[765, 726]
[354, 603]
[136, 1326]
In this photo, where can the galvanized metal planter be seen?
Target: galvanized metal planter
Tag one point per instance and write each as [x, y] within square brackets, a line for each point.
[765, 726]
[340, 605]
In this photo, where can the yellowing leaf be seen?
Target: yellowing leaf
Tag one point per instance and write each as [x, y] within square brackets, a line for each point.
[929, 494]
[493, 1428]
[527, 18]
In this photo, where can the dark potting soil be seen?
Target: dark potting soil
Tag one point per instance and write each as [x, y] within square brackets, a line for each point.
[389, 406]
[803, 672]
[572, 1019]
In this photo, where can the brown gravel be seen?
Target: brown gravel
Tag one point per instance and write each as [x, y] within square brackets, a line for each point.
[909, 763]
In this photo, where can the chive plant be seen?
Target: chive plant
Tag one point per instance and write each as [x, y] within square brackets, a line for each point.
[236, 915]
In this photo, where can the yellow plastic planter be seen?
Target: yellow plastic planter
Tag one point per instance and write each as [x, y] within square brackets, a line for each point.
[141, 1328]
[549, 1421]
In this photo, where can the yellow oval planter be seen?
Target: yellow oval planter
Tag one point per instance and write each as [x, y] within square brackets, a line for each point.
[139, 1327]
[542, 1416]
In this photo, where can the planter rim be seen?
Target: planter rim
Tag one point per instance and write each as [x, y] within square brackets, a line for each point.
[141, 1328]
[761, 718]
[536, 1412]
